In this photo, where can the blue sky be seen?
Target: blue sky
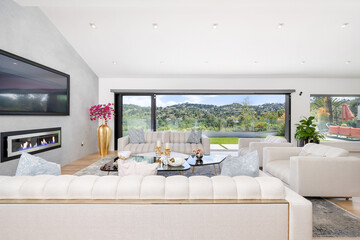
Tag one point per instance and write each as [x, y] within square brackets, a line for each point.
[168, 100]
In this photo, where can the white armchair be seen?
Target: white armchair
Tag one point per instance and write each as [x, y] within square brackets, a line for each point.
[247, 145]
[321, 171]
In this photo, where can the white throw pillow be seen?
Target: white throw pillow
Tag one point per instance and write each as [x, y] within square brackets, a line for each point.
[131, 167]
[30, 165]
[247, 165]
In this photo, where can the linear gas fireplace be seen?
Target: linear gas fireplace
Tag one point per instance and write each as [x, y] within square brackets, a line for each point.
[13, 144]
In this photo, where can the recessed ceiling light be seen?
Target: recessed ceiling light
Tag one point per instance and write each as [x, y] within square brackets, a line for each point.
[302, 62]
[92, 25]
[15, 63]
[215, 25]
[155, 26]
[345, 25]
[114, 62]
[280, 25]
[347, 62]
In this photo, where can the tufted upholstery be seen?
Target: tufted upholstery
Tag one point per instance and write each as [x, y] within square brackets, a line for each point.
[177, 141]
[138, 187]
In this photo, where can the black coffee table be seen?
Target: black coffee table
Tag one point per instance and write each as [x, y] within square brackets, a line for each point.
[206, 160]
[110, 167]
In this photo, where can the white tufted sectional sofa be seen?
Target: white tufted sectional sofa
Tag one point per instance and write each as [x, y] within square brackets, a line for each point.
[176, 140]
[152, 207]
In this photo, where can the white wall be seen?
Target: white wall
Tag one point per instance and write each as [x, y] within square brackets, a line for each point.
[27, 32]
[300, 105]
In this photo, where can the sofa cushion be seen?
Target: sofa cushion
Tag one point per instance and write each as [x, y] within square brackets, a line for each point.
[318, 150]
[139, 187]
[179, 137]
[200, 187]
[140, 148]
[153, 187]
[152, 137]
[355, 132]
[279, 169]
[184, 147]
[194, 137]
[137, 135]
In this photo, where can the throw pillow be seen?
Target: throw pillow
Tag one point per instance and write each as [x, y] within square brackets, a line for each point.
[194, 137]
[30, 165]
[247, 165]
[131, 167]
[137, 135]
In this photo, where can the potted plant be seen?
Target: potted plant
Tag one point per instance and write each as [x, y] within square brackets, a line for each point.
[306, 132]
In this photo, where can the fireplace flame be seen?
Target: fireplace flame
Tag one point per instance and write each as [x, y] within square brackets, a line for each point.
[43, 142]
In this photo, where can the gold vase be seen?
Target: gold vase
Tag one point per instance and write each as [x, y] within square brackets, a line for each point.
[103, 137]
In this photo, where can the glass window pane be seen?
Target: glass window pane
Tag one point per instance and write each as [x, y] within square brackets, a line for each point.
[136, 113]
[222, 115]
[337, 117]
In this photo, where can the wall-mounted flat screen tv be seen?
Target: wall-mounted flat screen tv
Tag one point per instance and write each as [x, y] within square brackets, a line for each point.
[29, 88]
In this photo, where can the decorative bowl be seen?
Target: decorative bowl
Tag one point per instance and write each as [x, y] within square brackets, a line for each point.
[175, 162]
[123, 155]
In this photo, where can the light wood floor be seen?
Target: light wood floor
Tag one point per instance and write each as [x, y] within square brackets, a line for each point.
[71, 168]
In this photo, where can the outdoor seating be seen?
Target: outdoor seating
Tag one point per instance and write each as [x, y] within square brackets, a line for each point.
[349, 132]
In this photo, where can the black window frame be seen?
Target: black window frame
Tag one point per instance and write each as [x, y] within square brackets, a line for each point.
[118, 101]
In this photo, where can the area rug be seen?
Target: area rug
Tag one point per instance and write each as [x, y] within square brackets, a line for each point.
[329, 220]
[94, 169]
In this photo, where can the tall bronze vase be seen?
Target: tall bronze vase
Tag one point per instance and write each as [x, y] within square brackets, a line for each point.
[103, 137]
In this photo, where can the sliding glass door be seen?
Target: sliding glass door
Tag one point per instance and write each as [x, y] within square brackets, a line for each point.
[136, 113]
[217, 115]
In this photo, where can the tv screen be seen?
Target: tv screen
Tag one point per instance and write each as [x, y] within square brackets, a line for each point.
[28, 88]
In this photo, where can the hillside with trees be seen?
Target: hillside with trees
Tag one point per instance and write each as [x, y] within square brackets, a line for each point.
[226, 118]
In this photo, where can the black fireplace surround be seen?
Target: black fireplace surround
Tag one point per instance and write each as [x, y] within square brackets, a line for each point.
[13, 144]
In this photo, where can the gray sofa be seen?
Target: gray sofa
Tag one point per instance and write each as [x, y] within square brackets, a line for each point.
[176, 140]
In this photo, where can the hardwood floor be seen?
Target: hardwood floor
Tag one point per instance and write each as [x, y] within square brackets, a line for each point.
[71, 168]
[77, 165]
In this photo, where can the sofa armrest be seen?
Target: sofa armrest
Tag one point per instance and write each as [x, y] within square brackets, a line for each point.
[122, 142]
[259, 147]
[278, 153]
[206, 144]
[245, 142]
[300, 216]
[334, 176]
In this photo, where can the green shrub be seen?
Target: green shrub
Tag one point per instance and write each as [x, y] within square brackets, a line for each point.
[261, 126]
[281, 129]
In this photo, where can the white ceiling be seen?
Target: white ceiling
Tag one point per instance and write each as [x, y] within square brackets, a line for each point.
[186, 43]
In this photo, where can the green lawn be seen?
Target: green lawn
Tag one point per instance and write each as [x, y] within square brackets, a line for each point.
[224, 140]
